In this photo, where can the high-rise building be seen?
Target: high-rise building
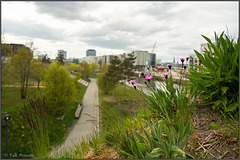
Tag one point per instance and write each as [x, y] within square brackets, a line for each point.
[63, 52]
[91, 52]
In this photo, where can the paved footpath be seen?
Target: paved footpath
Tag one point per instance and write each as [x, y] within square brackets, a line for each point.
[88, 122]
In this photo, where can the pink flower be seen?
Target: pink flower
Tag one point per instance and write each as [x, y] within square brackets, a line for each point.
[166, 76]
[135, 85]
[182, 59]
[131, 81]
[148, 76]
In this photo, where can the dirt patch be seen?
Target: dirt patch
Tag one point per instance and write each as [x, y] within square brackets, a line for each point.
[207, 142]
[106, 153]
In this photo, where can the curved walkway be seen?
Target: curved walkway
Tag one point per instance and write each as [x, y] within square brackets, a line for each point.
[88, 123]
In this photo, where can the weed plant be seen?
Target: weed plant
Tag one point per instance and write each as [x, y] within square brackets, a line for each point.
[161, 143]
[218, 78]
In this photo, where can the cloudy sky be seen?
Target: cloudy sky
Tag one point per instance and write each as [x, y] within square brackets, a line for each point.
[117, 27]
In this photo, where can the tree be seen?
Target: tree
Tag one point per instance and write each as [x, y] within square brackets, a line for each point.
[127, 68]
[114, 72]
[59, 90]
[20, 63]
[5, 55]
[85, 69]
[93, 67]
[37, 71]
[103, 68]
[104, 83]
[60, 58]
[74, 67]
[46, 60]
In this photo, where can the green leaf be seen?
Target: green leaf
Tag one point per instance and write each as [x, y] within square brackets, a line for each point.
[155, 154]
[187, 129]
[215, 104]
[224, 89]
[167, 130]
[180, 128]
[141, 138]
[232, 107]
[177, 153]
[214, 125]
[212, 93]
[188, 156]
[128, 154]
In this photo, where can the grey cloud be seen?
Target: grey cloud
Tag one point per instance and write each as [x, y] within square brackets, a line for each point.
[68, 10]
[112, 42]
[32, 30]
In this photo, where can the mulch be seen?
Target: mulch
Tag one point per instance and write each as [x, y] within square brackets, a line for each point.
[208, 143]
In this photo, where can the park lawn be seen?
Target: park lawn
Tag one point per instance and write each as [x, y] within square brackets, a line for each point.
[10, 98]
[123, 105]
[57, 129]
[131, 93]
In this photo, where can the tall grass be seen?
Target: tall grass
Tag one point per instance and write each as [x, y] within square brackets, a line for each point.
[34, 118]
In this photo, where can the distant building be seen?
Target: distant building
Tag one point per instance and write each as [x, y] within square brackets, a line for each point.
[75, 60]
[143, 58]
[193, 59]
[159, 62]
[64, 53]
[90, 52]
[12, 50]
[89, 59]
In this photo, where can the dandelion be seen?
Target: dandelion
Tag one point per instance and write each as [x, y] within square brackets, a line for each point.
[22, 127]
[135, 85]
[22, 135]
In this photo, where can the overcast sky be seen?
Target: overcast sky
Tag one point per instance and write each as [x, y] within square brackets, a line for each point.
[118, 27]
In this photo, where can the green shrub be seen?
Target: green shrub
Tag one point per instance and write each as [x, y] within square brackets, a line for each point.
[218, 79]
[59, 90]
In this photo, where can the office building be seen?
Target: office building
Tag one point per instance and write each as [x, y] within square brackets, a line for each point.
[193, 59]
[63, 52]
[91, 52]
[143, 58]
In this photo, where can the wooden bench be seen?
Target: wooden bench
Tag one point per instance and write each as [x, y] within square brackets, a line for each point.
[78, 111]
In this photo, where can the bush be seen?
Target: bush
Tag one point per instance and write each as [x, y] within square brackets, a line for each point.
[105, 83]
[59, 90]
[218, 79]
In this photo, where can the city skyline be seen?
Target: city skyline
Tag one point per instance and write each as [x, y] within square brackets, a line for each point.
[118, 27]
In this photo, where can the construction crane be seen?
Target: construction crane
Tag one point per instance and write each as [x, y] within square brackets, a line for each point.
[154, 46]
